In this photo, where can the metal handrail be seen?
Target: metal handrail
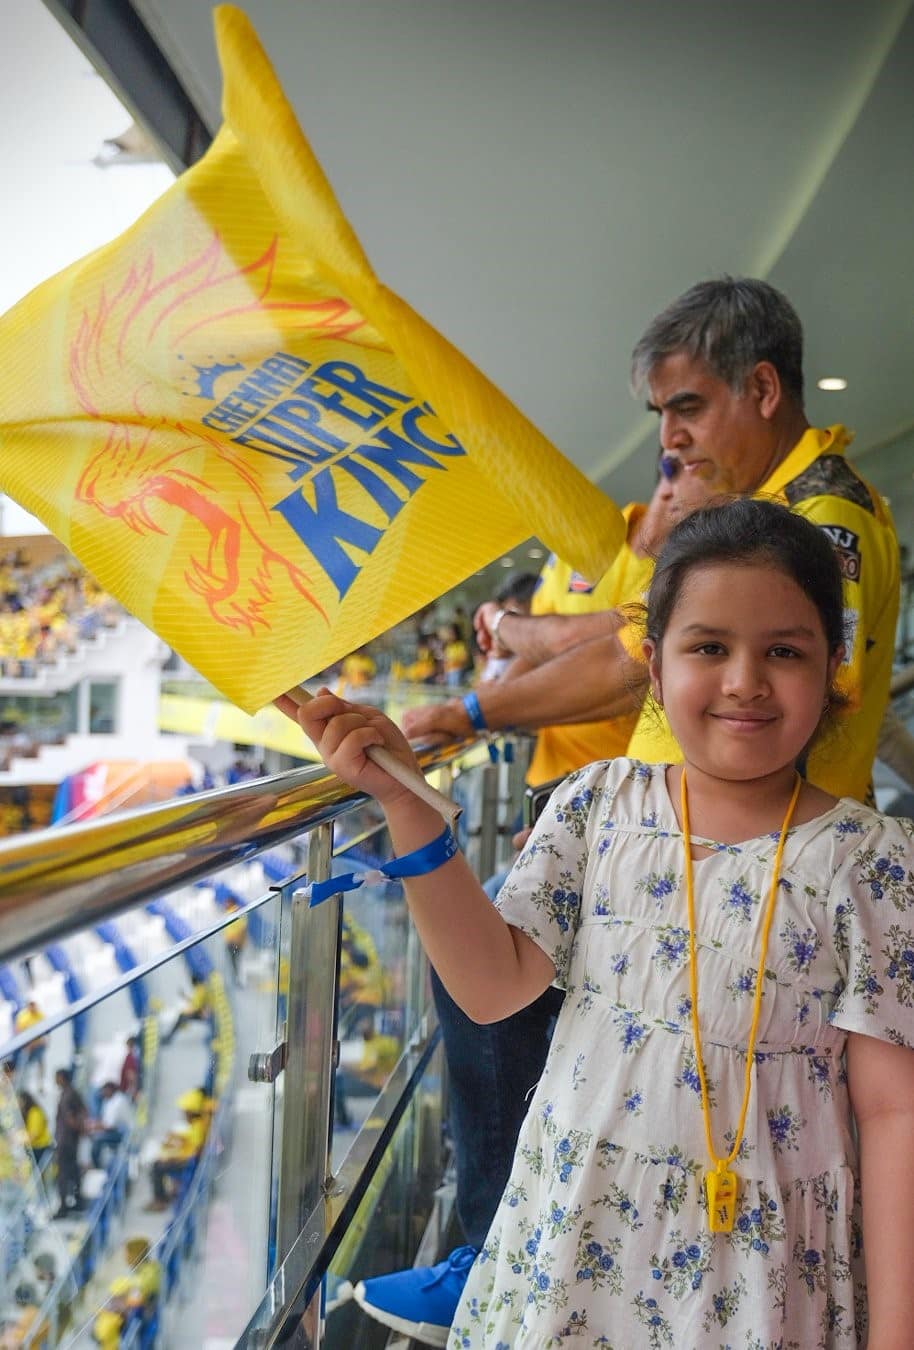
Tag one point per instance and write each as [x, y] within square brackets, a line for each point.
[56, 881]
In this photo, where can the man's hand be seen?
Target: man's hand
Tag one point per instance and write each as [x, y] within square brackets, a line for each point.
[437, 721]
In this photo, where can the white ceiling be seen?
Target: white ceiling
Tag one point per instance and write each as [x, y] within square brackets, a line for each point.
[539, 177]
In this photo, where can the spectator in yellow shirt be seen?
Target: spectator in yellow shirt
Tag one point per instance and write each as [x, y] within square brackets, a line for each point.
[135, 1295]
[196, 1009]
[35, 1051]
[37, 1130]
[181, 1149]
[357, 670]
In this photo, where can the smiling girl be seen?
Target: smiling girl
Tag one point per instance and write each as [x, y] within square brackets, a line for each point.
[725, 1122]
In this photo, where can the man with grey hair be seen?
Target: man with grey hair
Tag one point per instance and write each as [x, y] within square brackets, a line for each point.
[723, 370]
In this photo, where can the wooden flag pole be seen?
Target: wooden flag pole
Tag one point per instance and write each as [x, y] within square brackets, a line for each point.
[381, 756]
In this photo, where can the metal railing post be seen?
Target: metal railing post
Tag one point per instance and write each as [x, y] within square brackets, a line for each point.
[488, 822]
[310, 1056]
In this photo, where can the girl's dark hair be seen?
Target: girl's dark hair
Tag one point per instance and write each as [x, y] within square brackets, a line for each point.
[743, 532]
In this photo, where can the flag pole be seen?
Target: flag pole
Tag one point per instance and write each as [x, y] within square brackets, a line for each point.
[381, 756]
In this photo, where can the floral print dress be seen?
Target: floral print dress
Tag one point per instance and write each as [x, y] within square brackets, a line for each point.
[601, 1237]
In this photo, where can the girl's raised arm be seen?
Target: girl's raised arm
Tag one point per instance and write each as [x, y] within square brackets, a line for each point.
[881, 1085]
[488, 967]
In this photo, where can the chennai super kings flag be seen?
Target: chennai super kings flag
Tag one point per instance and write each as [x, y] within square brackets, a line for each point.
[264, 454]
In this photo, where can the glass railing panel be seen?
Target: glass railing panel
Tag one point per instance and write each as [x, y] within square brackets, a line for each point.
[199, 1014]
[384, 985]
[145, 1215]
[390, 1220]
[383, 995]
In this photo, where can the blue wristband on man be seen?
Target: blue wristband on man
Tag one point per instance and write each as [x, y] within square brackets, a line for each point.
[474, 712]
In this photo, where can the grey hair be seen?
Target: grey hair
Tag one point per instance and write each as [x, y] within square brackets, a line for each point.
[730, 324]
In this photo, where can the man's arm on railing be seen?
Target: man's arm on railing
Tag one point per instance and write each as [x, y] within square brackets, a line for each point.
[589, 682]
[538, 638]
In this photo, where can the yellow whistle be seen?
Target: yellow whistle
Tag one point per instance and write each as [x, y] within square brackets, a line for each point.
[721, 1191]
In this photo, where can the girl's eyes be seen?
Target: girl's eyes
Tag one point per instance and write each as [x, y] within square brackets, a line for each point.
[717, 649]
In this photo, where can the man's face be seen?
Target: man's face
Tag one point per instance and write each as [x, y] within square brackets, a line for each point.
[718, 436]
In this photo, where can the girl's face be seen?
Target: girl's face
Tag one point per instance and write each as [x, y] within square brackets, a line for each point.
[743, 671]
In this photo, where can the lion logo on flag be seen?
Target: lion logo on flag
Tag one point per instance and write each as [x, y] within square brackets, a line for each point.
[149, 472]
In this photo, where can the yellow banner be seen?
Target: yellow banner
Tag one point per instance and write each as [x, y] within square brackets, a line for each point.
[266, 455]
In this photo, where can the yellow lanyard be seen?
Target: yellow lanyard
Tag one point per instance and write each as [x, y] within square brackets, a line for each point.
[721, 1183]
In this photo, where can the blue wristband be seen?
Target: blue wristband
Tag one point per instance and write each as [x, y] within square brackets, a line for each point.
[428, 858]
[474, 712]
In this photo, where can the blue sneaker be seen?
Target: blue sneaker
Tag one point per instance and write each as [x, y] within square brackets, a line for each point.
[420, 1302]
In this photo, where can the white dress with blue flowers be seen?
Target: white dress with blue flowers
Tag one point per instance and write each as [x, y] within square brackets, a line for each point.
[601, 1237]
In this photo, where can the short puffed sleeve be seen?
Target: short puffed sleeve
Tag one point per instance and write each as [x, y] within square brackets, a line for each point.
[871, 904]
[542, 895]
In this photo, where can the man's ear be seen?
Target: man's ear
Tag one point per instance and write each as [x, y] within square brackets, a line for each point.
[652, 657]
[764, 384]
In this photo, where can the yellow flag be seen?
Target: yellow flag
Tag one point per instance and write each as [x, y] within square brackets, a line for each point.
[267, 456]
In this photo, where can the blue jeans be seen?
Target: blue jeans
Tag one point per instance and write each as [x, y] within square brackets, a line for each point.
[492, 1070]
[102, 1140]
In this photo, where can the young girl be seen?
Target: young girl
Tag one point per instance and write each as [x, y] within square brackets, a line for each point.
[689, 1174]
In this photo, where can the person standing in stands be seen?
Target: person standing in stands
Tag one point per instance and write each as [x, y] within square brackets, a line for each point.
[70, 1125]
[455, 655]
[723, 368]
[131, 1075]
[35, 1052]
[37, 1130]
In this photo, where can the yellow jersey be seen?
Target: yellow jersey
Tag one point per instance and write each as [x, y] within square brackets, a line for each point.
[37, 1129]
[198, 999]
[190, 1139]
[560, 590]
[817, 482]
[456, 655]
[357, 670]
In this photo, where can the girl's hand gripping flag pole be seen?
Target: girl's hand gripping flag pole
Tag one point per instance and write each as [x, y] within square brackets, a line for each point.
[380, 755]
